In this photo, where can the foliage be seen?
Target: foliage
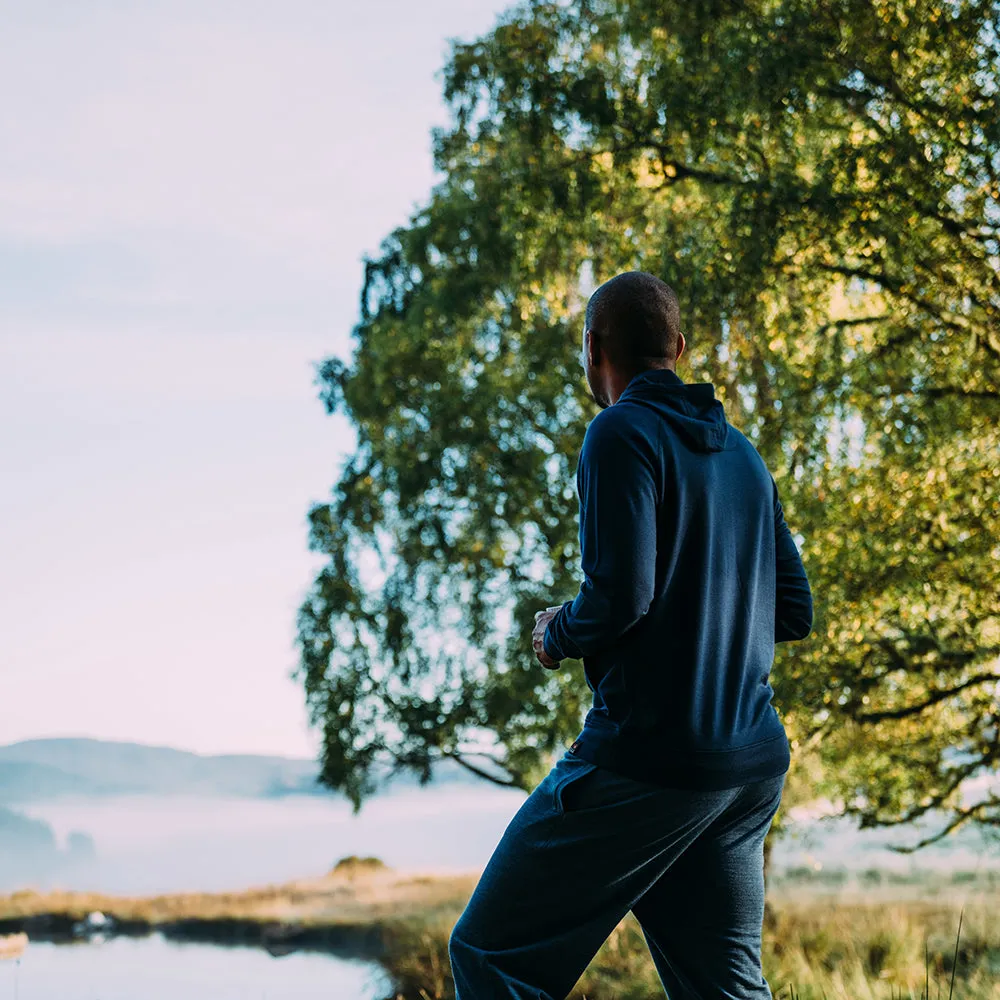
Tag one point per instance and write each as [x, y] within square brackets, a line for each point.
[820, 182]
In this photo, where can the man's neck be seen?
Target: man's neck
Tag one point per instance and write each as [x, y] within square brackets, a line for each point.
[620, 380]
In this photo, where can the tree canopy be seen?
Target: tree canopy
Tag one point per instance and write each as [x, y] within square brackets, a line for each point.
[819, 180]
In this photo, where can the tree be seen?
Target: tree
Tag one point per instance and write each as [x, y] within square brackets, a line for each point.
[820, 182]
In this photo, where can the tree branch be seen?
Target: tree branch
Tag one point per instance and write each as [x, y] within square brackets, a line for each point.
[957, 775]
[895, 285]
[459, 759]
[961, 817]
[933, 699]
[937, 391]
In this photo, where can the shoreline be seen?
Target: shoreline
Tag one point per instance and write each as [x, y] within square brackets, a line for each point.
[355, 941]
[400, 921]
[356, 911]
[362, 905]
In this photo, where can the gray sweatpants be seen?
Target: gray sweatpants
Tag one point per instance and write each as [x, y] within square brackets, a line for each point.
[587, 846]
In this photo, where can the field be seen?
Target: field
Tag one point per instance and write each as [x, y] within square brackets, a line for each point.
[821, 940]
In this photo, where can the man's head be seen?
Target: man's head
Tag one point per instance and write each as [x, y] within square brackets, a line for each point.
[632, 324]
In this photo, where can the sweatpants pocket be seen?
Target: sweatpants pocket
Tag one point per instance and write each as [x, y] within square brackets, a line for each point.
[570, 769]
[598, 789]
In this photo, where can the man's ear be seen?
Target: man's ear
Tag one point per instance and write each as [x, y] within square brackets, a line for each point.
[681, 343]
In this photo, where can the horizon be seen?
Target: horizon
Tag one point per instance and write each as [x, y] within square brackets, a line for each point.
[73, 738]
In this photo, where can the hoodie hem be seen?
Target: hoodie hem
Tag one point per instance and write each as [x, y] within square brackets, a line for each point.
[649, 759]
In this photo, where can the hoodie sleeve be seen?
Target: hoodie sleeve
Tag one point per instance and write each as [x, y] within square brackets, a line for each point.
[793, 609]
[617, 487]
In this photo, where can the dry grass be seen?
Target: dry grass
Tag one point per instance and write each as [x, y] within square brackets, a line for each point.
[348, 895]
[833, 946]
[852, 948]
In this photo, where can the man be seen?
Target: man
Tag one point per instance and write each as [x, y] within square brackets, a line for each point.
[661, 805]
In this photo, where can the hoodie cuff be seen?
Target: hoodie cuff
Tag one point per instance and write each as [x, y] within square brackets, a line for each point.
[548, 640]
[549, 651]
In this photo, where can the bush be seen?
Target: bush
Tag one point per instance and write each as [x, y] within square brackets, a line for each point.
[352, 866]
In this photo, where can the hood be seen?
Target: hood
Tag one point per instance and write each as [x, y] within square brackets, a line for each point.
[689, 407]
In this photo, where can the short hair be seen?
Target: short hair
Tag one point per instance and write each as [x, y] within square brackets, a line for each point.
[636, 318]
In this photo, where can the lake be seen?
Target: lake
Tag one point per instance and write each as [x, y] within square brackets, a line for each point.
[155, 969]
[156, 844]
[153, 844]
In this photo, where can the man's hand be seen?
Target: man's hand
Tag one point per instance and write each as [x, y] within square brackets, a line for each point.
[542, 619]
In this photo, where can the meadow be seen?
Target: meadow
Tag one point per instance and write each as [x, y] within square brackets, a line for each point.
[919, 939]
[823, 946]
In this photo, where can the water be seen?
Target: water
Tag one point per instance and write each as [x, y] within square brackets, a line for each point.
[156, 844]
[155, 969]
[837, 843]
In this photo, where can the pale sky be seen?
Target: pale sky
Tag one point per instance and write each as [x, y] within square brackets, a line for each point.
[187, 188]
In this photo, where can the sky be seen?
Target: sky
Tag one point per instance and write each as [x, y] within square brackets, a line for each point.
[187, 190]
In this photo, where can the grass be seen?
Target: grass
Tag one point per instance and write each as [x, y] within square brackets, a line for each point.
[355, 892]
[824, 948]
[830, 946]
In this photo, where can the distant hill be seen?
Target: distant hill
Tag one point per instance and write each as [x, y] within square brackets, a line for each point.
[53, 768]
[44, 769]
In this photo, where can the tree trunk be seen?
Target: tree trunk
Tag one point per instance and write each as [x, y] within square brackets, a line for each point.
[769, 916]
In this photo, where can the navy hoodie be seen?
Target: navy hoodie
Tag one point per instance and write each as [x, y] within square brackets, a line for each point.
[690, 577]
